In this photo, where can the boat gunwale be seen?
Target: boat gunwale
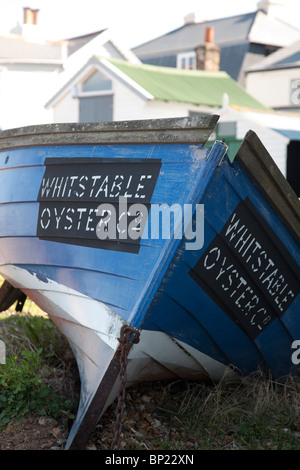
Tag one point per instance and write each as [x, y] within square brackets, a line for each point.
[194, 130]
[256, 161]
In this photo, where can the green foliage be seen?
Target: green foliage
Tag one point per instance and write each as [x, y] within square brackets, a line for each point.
[30, 332]
[34, 360]
[253, 413]
[23, 390]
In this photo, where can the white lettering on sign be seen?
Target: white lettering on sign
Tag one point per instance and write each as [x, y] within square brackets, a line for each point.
[228, 277]
[72, 189]
[247, 271]
[259, 262]
[93, 186]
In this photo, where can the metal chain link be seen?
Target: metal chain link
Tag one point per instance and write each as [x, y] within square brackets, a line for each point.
[128, 336]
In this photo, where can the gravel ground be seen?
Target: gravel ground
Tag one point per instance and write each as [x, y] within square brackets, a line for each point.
[144, 426]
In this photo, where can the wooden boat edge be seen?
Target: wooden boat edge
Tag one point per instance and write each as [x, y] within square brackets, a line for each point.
[194, 130]
[259, 165]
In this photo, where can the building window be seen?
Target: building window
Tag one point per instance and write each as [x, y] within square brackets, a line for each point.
[96, 82]
[186, 60]
[95, 95]
[96, 108]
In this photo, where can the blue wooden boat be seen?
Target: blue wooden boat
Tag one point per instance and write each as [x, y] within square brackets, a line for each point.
[135, 237]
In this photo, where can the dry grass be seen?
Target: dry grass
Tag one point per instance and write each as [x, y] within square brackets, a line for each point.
[254, 413]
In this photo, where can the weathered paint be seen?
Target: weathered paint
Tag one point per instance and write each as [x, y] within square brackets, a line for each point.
[171, 294]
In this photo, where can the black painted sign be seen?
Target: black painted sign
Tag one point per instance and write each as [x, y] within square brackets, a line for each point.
[79, 201]
[248, 271]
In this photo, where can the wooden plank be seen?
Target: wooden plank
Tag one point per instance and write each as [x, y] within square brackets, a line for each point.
[195, 130]
[263, 171]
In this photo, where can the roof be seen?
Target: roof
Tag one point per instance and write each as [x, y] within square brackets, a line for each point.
[287, 57]
[188, 86]
[191, 35]
[17, 48]
[170, 84]
[14, 47]
[255, 27]
[272, 31]
[76, 43]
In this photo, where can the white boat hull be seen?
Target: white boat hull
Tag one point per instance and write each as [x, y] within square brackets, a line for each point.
[93, 330]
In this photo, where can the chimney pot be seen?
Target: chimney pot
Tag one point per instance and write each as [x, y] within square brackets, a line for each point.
[35, 14]
[209, 35]
[30, 16]
[27, 15]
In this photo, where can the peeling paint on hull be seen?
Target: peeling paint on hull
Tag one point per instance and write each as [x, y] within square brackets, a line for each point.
[95, 347]
[229, 307]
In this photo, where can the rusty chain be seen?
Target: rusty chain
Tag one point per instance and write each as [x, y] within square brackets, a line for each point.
[128, 336]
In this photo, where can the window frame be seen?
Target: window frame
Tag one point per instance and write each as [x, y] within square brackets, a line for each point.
[186, 56]
[78, 91]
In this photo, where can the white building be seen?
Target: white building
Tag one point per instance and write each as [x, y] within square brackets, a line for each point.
[32, 68]
[108, 89]
[92, 78]
[113, 90]
[276, 80]
[243, 39]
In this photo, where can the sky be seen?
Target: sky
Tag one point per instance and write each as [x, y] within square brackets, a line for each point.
[132, 21]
